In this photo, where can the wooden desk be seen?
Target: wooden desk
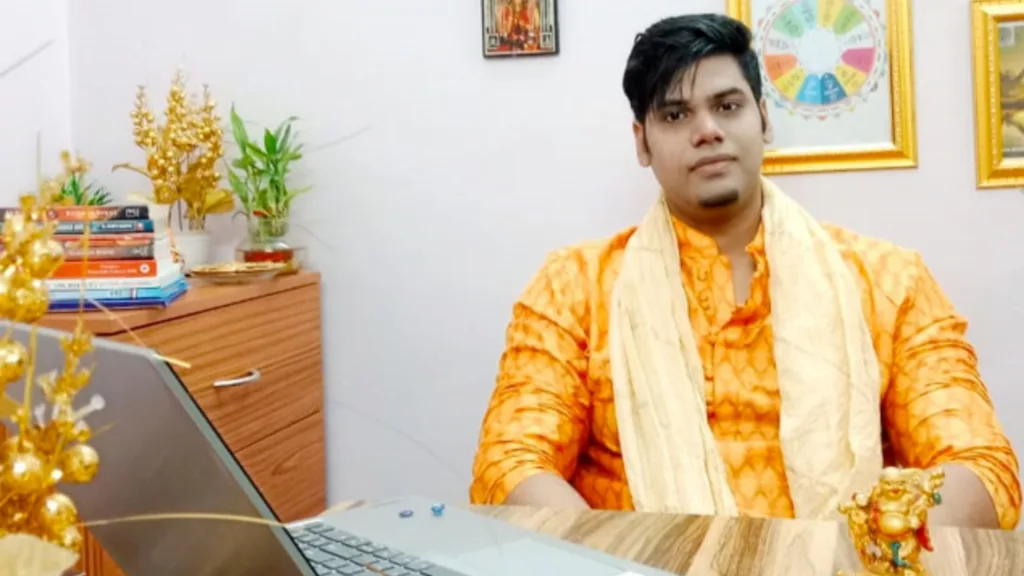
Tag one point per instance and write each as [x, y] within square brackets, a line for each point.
[700, 545]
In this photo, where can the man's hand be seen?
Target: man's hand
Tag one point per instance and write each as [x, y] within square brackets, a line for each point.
[546, 491]
[965, 501]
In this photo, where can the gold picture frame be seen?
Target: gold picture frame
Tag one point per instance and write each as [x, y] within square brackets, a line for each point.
[900, 151]
[995, 48]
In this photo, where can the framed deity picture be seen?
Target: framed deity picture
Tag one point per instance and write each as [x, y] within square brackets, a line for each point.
[520, 28]
[998, 38]
[837, 76]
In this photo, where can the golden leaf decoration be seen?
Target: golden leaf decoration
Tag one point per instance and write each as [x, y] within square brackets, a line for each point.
[191, 187]
[219, 201]
[8, 406]
[21, 555]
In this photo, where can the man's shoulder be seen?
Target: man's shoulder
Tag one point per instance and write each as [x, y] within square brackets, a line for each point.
[573, 278]
[868, 247]
[884, 264]
[588, 258]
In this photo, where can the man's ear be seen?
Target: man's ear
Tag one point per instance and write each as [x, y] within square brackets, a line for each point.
[643, 152]
[766, 124]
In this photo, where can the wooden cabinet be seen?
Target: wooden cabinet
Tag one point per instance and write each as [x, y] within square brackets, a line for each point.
[256, 372]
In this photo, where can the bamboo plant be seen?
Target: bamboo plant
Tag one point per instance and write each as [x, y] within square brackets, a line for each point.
[259, 176]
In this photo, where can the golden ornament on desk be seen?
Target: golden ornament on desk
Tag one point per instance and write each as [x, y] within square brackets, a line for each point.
[239, 272]
[889, 526]
[182, 153]
[181, 158]
[50, 442]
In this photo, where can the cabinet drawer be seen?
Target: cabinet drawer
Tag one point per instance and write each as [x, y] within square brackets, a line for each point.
[289, 469]
[256, 366]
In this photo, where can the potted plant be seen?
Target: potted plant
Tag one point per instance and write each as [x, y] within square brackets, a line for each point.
[74, 190]
[259, 178]
[181, 159]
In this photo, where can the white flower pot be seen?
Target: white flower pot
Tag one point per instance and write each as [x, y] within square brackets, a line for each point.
[194, 247]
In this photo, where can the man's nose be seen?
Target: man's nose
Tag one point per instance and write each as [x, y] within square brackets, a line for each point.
[706, 130]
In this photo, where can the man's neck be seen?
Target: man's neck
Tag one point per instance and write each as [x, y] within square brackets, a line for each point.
[732, 231]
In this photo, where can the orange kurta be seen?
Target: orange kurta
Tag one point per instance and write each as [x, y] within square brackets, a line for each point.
[553, 407]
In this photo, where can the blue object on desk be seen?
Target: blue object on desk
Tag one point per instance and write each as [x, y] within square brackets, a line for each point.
[437, 510]
[68, 305]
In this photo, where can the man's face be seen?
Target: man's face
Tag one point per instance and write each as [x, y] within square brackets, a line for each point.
[706, 144]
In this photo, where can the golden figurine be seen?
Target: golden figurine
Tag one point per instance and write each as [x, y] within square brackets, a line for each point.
[49, 446]
[182, 154]
[889, 526]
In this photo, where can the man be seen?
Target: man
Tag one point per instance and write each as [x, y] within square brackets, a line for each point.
[731, 355]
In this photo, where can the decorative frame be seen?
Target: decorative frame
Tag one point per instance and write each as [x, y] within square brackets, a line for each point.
[994, 40]
[900, 151]
[502, 38]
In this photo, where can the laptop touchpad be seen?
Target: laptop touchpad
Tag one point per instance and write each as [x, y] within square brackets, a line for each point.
[528, 557]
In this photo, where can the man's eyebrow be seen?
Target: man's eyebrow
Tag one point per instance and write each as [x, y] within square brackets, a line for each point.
[722, 94]
[684, 103]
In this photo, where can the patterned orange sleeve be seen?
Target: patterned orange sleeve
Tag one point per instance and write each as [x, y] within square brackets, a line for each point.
[937, 411]
[538, 418]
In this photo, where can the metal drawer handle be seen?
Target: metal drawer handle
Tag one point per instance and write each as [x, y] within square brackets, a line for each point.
[252, 376]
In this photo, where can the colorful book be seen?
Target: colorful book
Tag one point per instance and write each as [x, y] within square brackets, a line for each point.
[165, 275]
[104, 226]
[107, 247]
[115, 239]
[156, 292]
[131, 212]
[110, 269]
[75, 305]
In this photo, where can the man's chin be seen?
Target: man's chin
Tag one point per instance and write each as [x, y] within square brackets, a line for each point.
[718, 199]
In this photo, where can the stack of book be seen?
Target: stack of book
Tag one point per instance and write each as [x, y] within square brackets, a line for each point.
[124, 261]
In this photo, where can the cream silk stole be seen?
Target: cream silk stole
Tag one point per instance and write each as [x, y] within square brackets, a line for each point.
[830, 423]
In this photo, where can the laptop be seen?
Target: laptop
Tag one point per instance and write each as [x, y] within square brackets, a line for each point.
[162, 456]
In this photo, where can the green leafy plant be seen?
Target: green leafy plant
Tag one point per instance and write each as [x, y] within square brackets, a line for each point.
[78, 193]
[259, 176]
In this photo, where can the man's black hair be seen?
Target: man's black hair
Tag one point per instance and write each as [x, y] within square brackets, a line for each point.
[673, 46]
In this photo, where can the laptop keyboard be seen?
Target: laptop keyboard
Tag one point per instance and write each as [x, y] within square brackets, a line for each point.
[332, 552]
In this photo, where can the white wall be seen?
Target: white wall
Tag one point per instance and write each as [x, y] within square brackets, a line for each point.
[465, 172]
[34, 92]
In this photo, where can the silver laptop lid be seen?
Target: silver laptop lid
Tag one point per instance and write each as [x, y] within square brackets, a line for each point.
[162, 456]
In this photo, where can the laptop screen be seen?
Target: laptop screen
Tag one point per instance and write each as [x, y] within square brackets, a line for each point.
[160, 455]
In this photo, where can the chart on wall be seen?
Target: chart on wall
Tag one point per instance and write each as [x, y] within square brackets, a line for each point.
[825, 71]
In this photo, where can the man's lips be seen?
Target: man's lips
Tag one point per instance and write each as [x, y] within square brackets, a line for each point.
[711, 162]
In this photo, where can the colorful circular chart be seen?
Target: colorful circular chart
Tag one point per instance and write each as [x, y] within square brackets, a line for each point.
[821, 57]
